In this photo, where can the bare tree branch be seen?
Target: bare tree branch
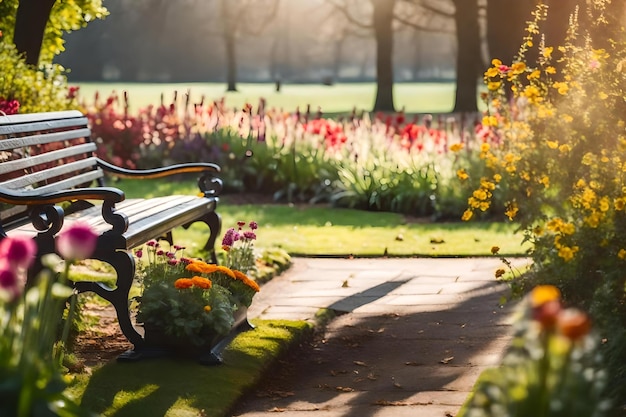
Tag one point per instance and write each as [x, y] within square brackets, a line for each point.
[346, 12]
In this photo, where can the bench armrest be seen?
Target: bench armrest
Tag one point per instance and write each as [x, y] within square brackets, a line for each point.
[36, 197]
[200, 167]
[208, 183]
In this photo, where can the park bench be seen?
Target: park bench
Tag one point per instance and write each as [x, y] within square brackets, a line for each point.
[50, 177]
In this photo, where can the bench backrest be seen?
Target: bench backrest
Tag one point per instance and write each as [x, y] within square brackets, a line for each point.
[45, 152]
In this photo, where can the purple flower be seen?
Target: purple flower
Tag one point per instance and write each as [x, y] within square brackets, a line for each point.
[229, 238]
[19, 251]
[249, 235]
[241, 224]
[254, 225]
[139, 253]
[77, 242]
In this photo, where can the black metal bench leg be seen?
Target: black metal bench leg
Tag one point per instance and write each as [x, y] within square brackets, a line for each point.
[214, 221]
[124, 265]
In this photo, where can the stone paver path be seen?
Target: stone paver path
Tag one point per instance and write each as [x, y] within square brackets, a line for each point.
[411, 337]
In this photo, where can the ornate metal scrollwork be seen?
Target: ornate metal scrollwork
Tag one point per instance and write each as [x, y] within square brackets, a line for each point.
[210, 185]
[47, 218]
[119, 221]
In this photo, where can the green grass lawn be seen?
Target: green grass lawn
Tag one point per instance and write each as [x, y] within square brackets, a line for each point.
[321, 230]
[340, 98]
[181, 387]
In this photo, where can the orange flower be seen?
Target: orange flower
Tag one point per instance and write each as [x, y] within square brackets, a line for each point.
[183, 283]
[224, 270]
[207, 309]
[495, 249]
[244, 278]
[573, 324]
[202, 282]
[201, 267]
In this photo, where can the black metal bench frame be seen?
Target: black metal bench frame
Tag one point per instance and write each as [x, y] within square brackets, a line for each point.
[50, 177]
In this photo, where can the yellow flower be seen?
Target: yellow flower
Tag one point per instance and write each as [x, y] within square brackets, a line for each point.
[567, 253]
[456, 147]
[518, 67]
[622, 253]
[561, 87]
[565, 148]
[490, 121]
[568, 228]
[480, 194]
[496, 62]
[602, 95]
[495, 249]
[550, 70]
[511, 210]
[467, 215]
[552, 144]
[587, 159]
[534, 75]
[462, 174]
[542, 294]
[207, 309]
[619, 203]
[492, 72]
[604, 204]
[493, 85]
[484, 147]
[497, 178]
[500, 272]
[545, 180]
[547, 52]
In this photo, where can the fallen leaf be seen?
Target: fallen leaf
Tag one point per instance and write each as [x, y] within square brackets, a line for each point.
[391, 403]
[446, 360]
[412, 363]
[344, 389]
[277, 410]
[360, 363]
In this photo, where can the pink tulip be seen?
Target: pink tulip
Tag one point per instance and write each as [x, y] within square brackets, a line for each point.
[18, 251]
[77, 242]
[10, 282]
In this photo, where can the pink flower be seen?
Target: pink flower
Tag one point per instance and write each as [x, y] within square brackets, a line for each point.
[19, 251]
[254, 225]
[77, 242]
[10, 282]
[139, 253]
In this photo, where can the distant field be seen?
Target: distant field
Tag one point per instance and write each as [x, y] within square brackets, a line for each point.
[340, 98]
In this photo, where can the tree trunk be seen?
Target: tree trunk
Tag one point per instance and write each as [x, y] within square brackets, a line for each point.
[506, 22]
[383, 32]
[30, 24]
[229, 34]
[468, 58]
[231, 61]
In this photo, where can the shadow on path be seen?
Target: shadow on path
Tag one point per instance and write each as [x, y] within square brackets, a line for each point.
[388, 360]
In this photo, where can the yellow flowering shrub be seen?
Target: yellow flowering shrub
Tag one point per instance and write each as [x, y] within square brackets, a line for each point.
[559, 164]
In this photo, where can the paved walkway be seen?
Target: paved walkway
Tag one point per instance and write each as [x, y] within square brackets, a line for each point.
[414, 335]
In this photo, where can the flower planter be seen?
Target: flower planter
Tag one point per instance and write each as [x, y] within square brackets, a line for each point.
[158, 344]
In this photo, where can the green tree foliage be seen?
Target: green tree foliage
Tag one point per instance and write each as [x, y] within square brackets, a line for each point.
[66, 16]
[42, 87]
